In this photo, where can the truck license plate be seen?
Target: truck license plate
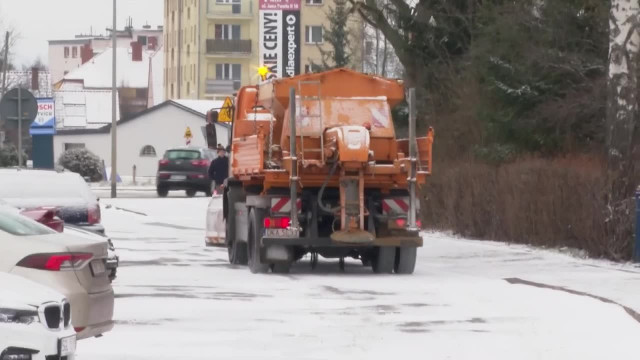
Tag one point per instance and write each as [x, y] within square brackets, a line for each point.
[281, 233]
[97, 267]
[67, 346]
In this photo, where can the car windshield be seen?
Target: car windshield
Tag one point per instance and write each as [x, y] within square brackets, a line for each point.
[38, 185]
[182, 155]
[16, 224]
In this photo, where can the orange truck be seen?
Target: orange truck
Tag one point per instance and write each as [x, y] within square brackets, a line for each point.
[316, 168]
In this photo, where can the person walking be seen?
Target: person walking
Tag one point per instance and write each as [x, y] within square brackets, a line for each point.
[219, 170]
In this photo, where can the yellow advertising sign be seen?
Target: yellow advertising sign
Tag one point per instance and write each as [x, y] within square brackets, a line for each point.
[187, 133]
[225, 112]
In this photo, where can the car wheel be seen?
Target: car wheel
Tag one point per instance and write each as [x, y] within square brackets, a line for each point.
[162, 192]
[384, 260]
[190, 193]
[256, 217]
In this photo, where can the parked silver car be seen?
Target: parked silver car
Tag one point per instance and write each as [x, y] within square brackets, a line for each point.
[74, 266]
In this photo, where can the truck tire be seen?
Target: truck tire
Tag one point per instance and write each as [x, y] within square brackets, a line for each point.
[256, 218]
[406, 260]
[237, 250]
[281, 268]
[384, 260]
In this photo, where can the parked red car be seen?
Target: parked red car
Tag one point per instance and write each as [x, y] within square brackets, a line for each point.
[45, 216]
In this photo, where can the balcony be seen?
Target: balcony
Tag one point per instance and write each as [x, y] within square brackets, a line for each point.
[230, 10]
[227, 47]
[226, 87]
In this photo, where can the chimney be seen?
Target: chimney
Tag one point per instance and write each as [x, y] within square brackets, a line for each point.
[136, 51]
[86, 53]
[152, 42]
[35, 83]
[146, 27]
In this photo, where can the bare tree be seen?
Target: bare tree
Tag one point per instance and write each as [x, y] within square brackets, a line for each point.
[622, 110]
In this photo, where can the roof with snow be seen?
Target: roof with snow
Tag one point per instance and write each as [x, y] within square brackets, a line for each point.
[201, 106]
[96, 73]
[196, 107]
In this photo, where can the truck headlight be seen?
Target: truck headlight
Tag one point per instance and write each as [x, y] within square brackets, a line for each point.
[22, 315]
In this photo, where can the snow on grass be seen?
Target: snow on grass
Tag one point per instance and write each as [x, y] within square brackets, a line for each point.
[178, 299]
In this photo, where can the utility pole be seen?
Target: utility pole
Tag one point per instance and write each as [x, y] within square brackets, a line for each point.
[5, 63]
[114, 98]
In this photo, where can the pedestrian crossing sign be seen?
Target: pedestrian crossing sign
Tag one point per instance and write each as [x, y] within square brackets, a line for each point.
[225, 111]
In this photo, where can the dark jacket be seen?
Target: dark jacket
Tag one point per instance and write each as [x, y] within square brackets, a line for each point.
[219, 169]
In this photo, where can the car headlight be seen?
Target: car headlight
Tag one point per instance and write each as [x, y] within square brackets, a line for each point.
[20, 315]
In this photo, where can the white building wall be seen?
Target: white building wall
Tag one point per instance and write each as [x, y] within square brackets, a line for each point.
[58, 64]
[163, 129]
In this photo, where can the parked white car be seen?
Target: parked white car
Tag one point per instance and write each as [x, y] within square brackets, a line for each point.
[74, 266]
[35, 321]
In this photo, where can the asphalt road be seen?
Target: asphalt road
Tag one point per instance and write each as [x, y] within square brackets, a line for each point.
[468, 299]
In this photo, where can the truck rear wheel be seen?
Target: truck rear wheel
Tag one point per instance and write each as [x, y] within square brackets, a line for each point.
[384, 260]
[405, 260]
[256, 218]
[237, 250]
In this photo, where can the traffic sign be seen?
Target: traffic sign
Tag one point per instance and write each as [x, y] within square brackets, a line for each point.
[9, 107]
[226, 111]
[187, 133]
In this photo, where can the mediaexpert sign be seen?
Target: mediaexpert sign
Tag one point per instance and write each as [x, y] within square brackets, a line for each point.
[279, 41]
[45, 121]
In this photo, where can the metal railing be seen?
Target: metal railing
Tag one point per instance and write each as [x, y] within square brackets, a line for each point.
[222, 86]
[224, 46]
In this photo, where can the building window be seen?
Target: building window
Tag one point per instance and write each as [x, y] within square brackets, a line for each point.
[188, 51]
[69, 146]
[148, 150]
[313, 2]
[227, 1]
[230, 72]
[188, 13]
[172, 95]
[66, 52]
[172, 57]
[188, 88]
[173, 19]
[309, 68]
[74, 52]
[313, 34]
[227, 31]
[142, 40]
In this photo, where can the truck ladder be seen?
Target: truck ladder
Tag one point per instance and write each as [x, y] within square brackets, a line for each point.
[317, 117]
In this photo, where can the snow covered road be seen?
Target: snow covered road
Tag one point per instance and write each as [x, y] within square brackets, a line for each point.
[466, 300]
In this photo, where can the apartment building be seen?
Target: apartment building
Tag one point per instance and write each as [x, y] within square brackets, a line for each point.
[215, 46]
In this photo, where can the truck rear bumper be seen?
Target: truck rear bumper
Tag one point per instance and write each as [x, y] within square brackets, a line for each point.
[401, 241]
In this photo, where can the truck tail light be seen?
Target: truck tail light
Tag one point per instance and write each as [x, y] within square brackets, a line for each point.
[56, 262]
[277, 223]
[419, 224]
[200, 163]
[93, 214]
[401, 222]
[163, 162]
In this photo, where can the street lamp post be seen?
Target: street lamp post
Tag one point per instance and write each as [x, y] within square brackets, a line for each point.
[114, 94]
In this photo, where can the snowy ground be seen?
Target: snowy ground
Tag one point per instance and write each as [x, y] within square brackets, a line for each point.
[467, 300]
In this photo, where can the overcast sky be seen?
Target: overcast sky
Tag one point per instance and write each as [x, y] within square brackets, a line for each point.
[40, 20]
